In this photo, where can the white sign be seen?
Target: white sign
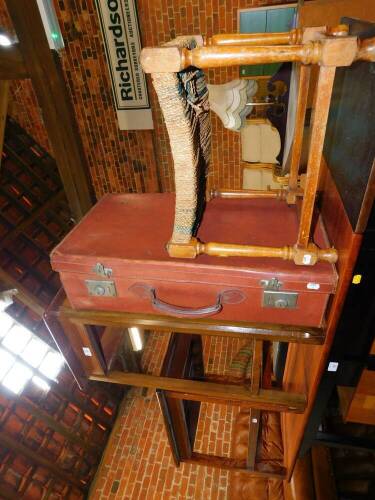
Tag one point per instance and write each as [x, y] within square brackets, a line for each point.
[332, 366]
[120, 30]
[87, 351]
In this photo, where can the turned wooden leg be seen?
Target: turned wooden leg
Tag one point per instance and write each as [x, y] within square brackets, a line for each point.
[293, 36]
[278, 194]
[308, 256]
[285, 38]
[327, 52]
[174, 59]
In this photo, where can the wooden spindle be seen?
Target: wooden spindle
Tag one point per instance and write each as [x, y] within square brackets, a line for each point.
[308, 256]
[245, 194]
[290, 37]
[174, 59]
[319, 125]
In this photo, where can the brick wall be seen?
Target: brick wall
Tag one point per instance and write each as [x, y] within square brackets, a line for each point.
[131, 161]
[138, 463]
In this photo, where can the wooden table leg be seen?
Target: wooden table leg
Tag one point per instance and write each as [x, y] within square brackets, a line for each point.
[319, 125]
[303, 90]
[86, 346]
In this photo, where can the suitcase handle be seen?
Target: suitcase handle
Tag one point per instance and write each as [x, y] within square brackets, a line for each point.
[232, 296]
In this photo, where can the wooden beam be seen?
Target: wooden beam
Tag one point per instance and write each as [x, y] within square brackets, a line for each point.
[282, 333]
[55, 470]
[266, 400]
[81, 337]
[4, 97]
[23, 295]
[234, 464]
[210, 392]
[61, 332]
[12, 65]
[44, 68]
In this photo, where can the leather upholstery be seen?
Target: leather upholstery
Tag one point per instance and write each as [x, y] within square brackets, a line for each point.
[270, 451]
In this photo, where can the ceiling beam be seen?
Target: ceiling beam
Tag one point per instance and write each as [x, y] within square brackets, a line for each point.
[55, 470]
[12, 65]
[4, 98]
[23, 295]
[44, 68]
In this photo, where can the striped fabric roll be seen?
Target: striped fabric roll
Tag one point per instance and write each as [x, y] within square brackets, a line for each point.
[183, 98]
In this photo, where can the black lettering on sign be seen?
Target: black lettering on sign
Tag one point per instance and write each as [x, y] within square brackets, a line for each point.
[122, 66]
[120, 29]
[112, 5]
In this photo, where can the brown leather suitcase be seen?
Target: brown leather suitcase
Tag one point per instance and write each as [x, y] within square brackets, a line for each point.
[115, 259]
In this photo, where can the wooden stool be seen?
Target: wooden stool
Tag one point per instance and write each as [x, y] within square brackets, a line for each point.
[179, 63]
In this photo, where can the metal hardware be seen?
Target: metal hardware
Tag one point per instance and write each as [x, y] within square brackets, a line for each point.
[280, 300]
[101, 288]
[101, 270]
[272, 284]
[273, 297]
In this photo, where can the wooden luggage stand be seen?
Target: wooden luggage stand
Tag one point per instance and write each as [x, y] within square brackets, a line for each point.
[329, 48]
[77, 326]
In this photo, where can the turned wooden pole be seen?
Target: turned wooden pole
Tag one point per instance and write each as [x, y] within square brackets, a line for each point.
[303, 90]
[231, 250]
[174, 59]
[307, 256]
[290, 37]
[334, 51]
[320, 116]
[242, 194]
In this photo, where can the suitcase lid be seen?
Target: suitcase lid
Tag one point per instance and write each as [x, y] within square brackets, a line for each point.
[124, 231]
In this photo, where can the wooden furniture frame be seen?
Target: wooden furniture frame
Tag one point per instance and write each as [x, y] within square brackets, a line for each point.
[254, 397]
[346, 208]
[184, 359]
[176, 390]
[75, 322]
[329, 48]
